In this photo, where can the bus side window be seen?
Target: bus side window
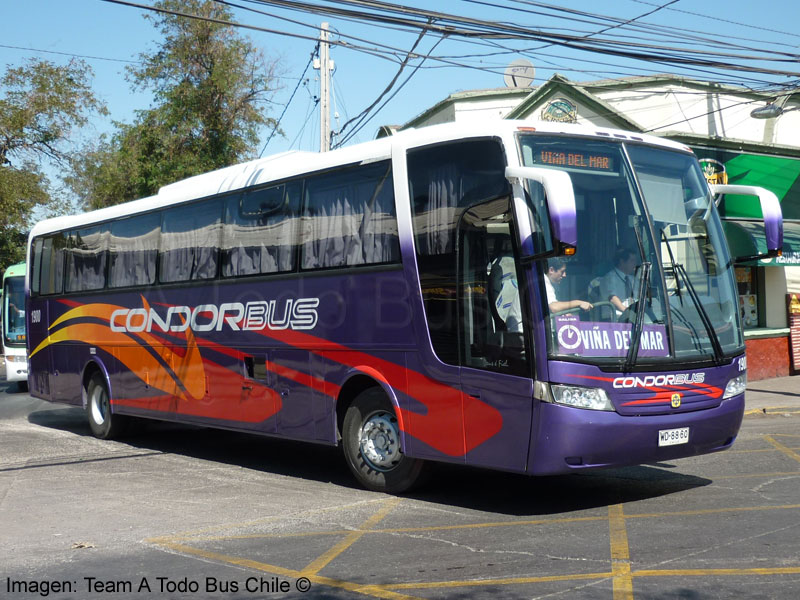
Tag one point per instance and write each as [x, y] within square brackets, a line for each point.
[36, 267]
[87, 252]
[51, 279]
[133, 250]
[349, 218]
[190, 237]
[260, 231]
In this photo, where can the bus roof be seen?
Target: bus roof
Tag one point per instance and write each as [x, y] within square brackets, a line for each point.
[294, 163]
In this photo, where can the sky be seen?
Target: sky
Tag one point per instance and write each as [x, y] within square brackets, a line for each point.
[111, 36]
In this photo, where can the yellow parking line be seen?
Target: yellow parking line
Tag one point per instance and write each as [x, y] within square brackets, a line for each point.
[197, 533]
[465, 526]
[318, 564]
[367, 590]
[753, 451]
[762, 475]
[786, 450]
[489, 525]
[620, 553]
[770, 410]
[427, 585]
[711, 511]
[702, 572]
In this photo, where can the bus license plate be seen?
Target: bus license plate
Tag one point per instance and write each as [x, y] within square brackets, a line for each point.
[673, 437]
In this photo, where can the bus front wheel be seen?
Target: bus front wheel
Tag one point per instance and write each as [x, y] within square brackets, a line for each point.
[103, 423]
[371, 440]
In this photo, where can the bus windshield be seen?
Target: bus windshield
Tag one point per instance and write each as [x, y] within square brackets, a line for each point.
[14, 311]
[651, 257]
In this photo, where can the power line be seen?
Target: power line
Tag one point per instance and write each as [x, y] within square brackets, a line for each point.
[386, 89]
[285, 108]
[717, 18]
[475, 31]
[453, 25]
[122, 60]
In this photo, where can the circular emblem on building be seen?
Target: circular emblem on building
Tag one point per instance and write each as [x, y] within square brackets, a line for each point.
[560, 110]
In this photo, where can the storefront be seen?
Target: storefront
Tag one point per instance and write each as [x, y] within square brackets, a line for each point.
[763, 285]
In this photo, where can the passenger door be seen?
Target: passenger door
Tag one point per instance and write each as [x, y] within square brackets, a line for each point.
[493, 337]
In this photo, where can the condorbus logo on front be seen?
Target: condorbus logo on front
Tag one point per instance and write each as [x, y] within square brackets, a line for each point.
[659, 380]
[299, 313]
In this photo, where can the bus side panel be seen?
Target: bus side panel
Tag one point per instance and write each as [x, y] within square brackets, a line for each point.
[277, 377]
[68, 360]
[38, 321]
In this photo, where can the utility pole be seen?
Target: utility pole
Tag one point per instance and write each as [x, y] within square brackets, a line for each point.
[325, 66]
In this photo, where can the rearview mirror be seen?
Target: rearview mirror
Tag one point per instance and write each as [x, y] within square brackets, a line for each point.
[561, 215]
[770, 209]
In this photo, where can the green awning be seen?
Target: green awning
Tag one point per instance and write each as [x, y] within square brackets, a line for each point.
[747, 238]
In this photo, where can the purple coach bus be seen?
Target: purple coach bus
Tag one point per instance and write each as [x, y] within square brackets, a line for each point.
[406, 298]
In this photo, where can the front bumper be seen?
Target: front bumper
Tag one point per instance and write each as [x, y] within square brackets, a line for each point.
[569, 439]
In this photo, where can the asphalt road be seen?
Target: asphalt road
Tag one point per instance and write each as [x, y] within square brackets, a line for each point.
[182, 512]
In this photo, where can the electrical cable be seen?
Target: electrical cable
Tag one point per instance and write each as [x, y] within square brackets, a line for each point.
[285, 108]
[389, 86]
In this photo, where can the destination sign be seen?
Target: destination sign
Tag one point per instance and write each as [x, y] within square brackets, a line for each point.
[589, 338]
[592, 161]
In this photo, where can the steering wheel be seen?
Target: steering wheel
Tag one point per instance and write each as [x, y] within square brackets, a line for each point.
[629, 315]
[578, 308]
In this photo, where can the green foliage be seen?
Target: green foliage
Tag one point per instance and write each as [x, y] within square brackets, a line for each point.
[41, 107]
[210, 87]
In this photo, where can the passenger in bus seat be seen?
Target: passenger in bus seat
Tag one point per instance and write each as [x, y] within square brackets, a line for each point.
[556, 271]
[504, 292]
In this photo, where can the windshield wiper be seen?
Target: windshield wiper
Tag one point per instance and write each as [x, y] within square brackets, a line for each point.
[636, 334]
[712, 335]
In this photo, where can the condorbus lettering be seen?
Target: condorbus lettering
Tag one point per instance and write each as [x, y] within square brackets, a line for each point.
[650, 381]
[300, 313]
[304, 313]
[209, 311]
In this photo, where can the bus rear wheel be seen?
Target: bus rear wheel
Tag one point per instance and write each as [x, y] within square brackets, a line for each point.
[103, 423]
[371, 441]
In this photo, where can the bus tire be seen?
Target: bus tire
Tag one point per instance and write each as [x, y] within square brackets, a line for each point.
[371, 441]
[103, 423]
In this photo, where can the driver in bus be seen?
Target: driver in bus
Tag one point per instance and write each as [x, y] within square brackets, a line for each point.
[618, 286]
[556, 271]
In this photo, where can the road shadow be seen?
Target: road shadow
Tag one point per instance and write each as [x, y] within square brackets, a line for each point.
[447, 484]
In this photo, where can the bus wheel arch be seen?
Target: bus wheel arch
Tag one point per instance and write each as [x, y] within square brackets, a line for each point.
[371, 436]
[103, 422]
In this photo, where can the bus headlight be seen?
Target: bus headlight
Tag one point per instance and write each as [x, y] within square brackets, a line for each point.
[16, 358]
[581, 397]
[735, 386]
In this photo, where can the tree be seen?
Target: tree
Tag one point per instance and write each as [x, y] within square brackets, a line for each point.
[41, 108]
[210, 88]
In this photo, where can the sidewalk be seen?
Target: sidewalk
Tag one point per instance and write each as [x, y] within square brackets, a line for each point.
[777, 395]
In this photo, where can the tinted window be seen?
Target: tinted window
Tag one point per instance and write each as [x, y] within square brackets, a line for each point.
[349, 218]
[51, 279]
[14, 311]
[87, 252]
[36, 266]
[190, 237]
[133, 249]
[445, 180]
[260, 231]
